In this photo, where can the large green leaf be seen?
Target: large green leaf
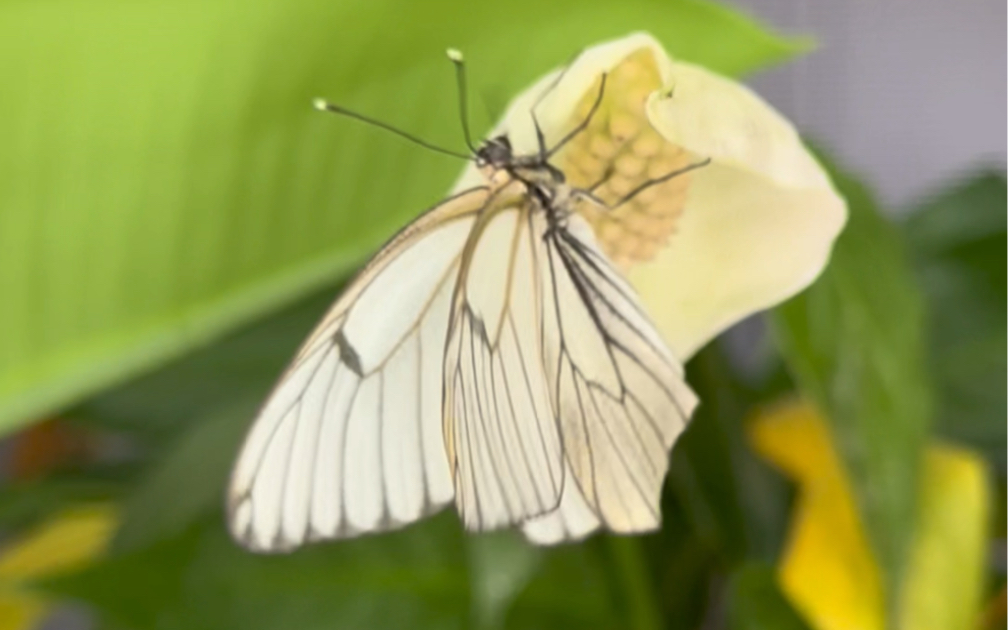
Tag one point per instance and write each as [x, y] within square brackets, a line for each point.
[501, 566]
[734, 502]
[575, 587]
[855, 342]
[755, 601]
[426, 576]
[190, 417]
[237, 369]
[958, 240]
[201, 579]
[186, 483]
[27, 503]
[163, 178]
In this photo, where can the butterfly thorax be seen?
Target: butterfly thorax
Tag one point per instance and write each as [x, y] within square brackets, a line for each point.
[544, 183]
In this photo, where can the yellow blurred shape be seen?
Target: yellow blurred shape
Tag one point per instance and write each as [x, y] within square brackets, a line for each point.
[943, 589]
[828, 570]
[20, 611]
[64, 543]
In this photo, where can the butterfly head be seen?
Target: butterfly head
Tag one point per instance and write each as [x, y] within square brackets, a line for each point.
[495, 153]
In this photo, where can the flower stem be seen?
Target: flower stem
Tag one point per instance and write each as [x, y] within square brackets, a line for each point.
[631, 578]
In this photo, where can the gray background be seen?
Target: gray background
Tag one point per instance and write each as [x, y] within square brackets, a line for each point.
[910, 95]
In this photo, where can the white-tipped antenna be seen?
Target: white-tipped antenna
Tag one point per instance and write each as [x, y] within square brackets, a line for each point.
[325, 106]
[460, 75]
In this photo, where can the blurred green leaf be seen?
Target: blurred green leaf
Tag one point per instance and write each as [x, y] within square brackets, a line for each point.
[855, 343]
[637, 590]
[238, 369]
[163, 178]
[958, 219]
[687, 569]
[187, 420]
[722, 505]
[574, 588]
[701, 475]
[501, 565]
[423, 576]
[756, 603]
[189, 481]
[734, 501]
[132, 591]
[958, 240]
[201, 579]
[25, 503]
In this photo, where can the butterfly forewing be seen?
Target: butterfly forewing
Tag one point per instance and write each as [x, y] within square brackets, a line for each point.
[350, 439]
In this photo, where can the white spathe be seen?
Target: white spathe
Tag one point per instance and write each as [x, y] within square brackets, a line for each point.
[758, 222]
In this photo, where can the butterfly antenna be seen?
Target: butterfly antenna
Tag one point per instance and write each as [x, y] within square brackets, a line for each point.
[460, 76]
[325, 106]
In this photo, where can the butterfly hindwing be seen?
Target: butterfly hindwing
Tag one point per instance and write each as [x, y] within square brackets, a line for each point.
[561, 399]
[619, 394]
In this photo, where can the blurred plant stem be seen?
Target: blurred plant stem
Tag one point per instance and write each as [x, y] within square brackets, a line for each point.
[631, 584]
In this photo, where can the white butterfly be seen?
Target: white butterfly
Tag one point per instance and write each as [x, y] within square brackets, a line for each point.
[489, 354]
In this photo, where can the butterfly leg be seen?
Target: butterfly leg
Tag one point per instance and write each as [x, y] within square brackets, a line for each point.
[584, 123]
[659, 180]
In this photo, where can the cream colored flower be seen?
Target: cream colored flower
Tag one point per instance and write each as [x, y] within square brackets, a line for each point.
[707, 248]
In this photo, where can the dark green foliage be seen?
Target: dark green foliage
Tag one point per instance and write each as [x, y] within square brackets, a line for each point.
[855, 343]
[756, 603]
[958, 241]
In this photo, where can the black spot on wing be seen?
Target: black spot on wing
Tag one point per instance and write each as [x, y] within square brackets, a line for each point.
[348, 356]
